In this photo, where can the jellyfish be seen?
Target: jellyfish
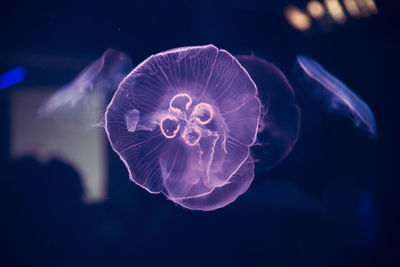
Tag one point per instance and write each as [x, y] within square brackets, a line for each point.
[191, 122]
[280, 117]
[183, 122]
[334, 96]
[90, 92]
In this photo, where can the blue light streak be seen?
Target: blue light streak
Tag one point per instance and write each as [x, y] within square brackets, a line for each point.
[12, 77]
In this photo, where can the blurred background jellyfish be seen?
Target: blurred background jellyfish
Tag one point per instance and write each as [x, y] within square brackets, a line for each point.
[90, 92]
[333, 95]
[183, 122]
[280, 119]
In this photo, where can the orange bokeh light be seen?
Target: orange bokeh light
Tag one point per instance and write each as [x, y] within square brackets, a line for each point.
[297, 18]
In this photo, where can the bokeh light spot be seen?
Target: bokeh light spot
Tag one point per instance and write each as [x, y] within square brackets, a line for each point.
[297, 18]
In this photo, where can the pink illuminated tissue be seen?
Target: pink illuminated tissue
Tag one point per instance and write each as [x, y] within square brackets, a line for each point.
[183, 122]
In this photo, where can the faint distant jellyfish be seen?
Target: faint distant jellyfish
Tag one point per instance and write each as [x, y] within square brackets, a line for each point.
[90, 92]
[334, 96]
[280, 119]
[183, 122]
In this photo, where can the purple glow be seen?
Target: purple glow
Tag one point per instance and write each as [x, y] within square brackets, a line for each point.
[203, 161]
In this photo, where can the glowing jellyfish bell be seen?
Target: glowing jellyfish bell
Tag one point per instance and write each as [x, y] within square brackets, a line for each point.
[334, 95]
[183, 122]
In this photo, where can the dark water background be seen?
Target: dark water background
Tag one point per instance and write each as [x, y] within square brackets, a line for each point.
[332, 202]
